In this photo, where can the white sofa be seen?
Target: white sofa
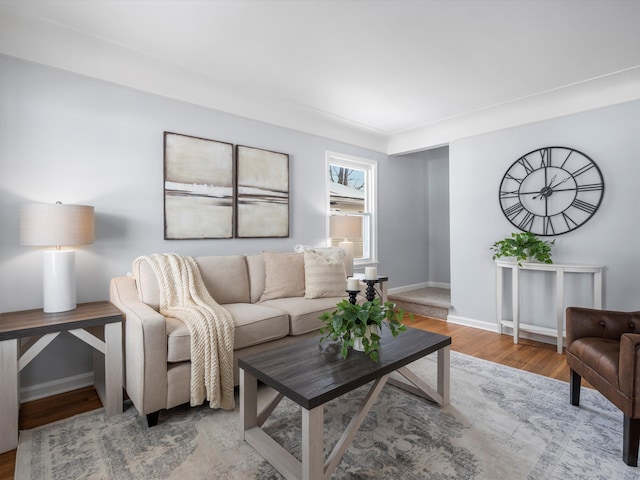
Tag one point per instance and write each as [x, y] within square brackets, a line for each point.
[274, 298]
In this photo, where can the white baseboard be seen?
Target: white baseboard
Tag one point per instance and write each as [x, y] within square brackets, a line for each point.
[55, 387]
[470, 322]
[491, 327]
[417, 286]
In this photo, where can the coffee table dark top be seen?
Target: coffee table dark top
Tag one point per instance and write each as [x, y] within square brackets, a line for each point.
[311, 374]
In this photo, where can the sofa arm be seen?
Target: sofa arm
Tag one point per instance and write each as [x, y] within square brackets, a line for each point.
[629, 368]
[145, 347]
[589, 322]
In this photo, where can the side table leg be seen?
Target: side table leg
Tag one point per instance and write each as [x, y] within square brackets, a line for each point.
[113, 368]
[313, 443]
[8, 395]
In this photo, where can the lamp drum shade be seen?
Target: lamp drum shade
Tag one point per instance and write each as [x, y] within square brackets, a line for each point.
[48, 225]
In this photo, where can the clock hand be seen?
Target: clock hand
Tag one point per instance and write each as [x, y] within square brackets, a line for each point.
[560, 183]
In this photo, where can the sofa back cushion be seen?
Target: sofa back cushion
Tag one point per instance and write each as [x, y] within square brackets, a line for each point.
[225, 277]
[255, 266]
[284, 275]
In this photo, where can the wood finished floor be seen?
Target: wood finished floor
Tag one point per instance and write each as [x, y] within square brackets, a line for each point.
[528, 355]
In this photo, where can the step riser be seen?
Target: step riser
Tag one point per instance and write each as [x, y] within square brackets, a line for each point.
[424, 310]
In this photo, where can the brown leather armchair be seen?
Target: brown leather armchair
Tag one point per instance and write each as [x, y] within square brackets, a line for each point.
[603, 347]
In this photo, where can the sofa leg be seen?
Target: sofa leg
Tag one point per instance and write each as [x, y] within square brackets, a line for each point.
[574, 388]
[152, 418]
[631, 441]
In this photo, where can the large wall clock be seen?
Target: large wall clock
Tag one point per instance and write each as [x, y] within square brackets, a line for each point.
[551, 191]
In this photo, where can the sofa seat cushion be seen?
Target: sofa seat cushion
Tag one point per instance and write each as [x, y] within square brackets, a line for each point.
[602, 355]
[303, 312]
[254, 324]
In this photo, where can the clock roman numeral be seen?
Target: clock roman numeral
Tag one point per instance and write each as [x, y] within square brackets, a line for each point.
[514, 210]
[511, 177]
[512, 194]
[569, 221]
[580, 171]
[525, 163]
[545, 157]
[547, 226]
[584, 206]
[590, 187]
[527, 221]
[565, 160]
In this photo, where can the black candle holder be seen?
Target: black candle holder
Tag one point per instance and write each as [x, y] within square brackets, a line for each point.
[370, 293]
[352, 296]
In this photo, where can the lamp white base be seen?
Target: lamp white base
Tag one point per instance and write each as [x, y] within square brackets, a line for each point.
[348, 256]
[59, 280]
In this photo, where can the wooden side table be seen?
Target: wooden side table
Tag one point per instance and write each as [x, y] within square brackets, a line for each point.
[43, 328]
[382, 281]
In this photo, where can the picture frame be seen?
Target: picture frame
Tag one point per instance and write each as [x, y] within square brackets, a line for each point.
[262, 193]
[199, 188]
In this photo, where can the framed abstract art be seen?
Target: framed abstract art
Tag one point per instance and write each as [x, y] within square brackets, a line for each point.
[262, 196]
[199, 188]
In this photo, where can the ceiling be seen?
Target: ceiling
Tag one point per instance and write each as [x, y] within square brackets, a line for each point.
[393, 76]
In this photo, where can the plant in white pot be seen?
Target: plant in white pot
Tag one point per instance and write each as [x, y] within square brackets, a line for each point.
[523, 246]
[353, 324]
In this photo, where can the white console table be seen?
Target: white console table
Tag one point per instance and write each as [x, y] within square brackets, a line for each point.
[559, 271]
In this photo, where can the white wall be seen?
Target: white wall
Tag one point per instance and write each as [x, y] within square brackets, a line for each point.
[77, 140]
[477, 164]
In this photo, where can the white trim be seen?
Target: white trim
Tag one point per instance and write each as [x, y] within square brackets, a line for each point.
[471, 322]
[417, 286]
[55, 387]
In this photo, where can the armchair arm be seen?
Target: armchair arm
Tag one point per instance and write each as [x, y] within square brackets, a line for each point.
[589, 322]
[145, 347]
[629, 368]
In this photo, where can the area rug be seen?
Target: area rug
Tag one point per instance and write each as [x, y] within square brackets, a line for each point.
[502, 423]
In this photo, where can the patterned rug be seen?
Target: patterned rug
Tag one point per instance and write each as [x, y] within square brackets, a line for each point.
[502, 423]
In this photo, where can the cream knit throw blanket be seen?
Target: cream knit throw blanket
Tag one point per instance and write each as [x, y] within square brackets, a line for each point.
[184, 296]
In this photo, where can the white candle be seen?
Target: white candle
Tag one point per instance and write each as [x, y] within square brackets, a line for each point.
[353, 284]
[370, 273]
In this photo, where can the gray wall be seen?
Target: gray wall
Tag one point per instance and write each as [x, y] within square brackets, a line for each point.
[477, 164]
[68, 138]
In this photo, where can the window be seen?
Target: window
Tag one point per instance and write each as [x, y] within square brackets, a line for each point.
[351, 193]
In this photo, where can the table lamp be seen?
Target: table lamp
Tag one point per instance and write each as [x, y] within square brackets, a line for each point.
[57, 225]
[346, 226]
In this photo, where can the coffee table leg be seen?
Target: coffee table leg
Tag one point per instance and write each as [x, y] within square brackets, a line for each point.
[444, 367]
[312, 443]
[248, 402]
[416, 385]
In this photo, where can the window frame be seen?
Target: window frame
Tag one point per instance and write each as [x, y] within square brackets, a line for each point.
[370, 168]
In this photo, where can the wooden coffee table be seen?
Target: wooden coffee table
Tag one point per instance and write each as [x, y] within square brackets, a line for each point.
[312, 375]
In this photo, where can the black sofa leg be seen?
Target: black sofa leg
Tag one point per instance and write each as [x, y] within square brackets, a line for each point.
[631, 441]
[574, 388]
[152, 418]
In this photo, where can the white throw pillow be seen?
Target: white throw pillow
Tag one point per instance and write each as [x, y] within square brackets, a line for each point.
[324, 273]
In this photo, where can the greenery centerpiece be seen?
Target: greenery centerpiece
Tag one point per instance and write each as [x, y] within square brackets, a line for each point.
[523, 246]
[349, 323]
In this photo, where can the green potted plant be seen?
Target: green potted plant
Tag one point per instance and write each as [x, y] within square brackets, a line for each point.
[355, 324]
[523, 246]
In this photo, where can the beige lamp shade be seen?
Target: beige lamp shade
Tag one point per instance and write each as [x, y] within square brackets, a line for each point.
[345, 226]
[48, 225]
